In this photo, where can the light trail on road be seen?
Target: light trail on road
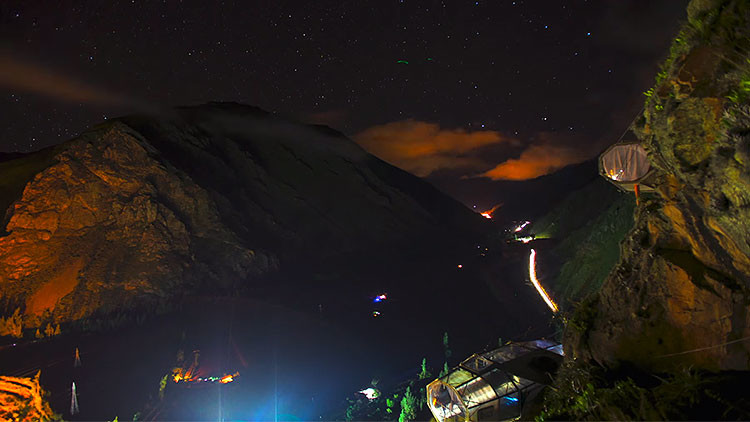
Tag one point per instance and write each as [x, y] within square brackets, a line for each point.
[535, 282]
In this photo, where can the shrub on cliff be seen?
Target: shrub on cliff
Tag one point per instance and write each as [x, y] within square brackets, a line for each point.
[13, 325]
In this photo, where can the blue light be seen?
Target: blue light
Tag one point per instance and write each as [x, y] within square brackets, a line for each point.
[511, 400]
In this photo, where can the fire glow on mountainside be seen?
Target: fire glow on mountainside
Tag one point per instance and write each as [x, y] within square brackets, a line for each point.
[488, 214]
[535, 281]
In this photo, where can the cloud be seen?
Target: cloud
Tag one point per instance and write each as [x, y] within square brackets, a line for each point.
[423, 147]
[536, 160]
[18, 74]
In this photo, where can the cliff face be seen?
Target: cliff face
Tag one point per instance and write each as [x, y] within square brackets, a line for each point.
[680, 295]
[140, 209]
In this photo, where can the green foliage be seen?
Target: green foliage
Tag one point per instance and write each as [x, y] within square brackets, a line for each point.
[446, 347]
[584, 315]
[585, 392]
[163, 386]
[408, 407]
[444, 371]
[741, 93]
[424, 373]
[353, 409]
[591, 222]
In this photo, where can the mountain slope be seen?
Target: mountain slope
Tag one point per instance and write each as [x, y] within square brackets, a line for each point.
[586, 228]
[213, 198]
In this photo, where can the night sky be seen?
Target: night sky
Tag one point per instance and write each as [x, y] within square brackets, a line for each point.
[504, 89]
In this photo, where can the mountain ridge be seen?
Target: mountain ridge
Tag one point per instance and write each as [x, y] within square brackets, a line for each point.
[141, 209]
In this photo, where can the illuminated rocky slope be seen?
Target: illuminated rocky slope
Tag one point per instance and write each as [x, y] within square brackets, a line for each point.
[680, 295]
[22, 399]
[209, 199]
[667, 337]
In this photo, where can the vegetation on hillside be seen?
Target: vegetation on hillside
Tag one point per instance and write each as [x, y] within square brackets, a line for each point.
[590, 224]
[586, 393]
[706, 75]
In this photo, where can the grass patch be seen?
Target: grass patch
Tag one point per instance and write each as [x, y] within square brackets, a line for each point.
[591, 223]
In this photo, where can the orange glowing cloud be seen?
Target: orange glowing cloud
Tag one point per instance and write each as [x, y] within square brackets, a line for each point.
[535, 161]
[22, 75]
[423, 147]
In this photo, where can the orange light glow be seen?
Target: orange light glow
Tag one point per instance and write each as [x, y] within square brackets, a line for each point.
[537, 160]
[488, 214]
[535, 281]
[422, 147]
[228, 378]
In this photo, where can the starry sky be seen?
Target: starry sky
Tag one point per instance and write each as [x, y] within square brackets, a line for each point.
[500, 90]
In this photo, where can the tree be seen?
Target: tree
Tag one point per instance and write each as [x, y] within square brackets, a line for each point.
[446, 348]
[408, 407]
[424, 373]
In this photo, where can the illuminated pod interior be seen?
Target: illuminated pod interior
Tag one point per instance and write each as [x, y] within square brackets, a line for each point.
[494, 385]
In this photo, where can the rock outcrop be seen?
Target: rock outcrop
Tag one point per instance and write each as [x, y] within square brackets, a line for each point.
[22, 400]
[680, 295]
[142, 209]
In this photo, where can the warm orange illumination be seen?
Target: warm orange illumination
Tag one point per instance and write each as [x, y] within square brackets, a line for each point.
[535, 161]
[23, 399]
[488, 214]
[535, 282]
[228, 378]
[422, 147]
